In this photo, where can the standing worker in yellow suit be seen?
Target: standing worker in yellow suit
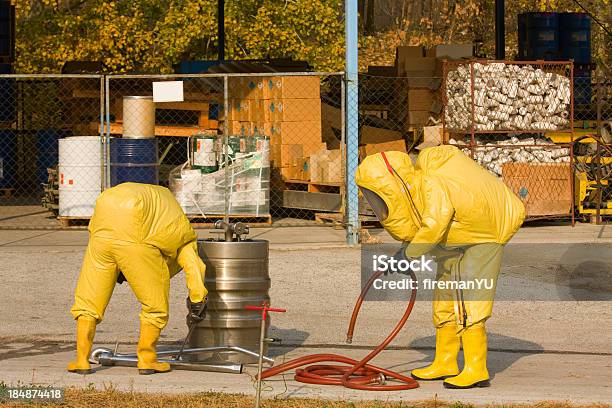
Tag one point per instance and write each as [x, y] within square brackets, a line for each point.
[138, 233]
[449, 207]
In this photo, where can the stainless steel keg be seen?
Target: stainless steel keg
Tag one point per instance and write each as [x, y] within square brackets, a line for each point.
[236, 276]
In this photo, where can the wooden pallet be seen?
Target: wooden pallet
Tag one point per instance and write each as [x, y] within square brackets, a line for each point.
[252, 220]
[166, 130]
[196, 220]
[73, 222]
[312, 187]
[7, 192]
[338, 219]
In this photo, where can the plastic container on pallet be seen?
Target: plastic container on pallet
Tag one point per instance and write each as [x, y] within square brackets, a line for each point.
[575, 37]
[79, 173]
[538, 36]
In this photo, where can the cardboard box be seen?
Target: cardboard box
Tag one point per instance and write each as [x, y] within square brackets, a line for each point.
[373, 148]
[332, 171]
[236, 128]
[306, 133]
[294, 110]
[420, 99]
[409, 51]
[258, 112]
[405, 52]
[382, 70]
[302, 168]
[254, 88]
[432, 136]
[288, 172]
[423, 79]
[418, 65]
[312, 148]
[544, 188]
[235, 87]
[292, 87]
[239, 110]
[419, 118]
[326, 167]
[370, 134]
[454, 51]
[285, 155]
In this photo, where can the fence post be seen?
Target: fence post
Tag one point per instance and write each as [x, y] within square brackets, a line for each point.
[106, 157]
[226, 113]
[352, 120]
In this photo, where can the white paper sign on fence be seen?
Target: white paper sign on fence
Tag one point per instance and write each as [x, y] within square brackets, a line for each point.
[168, 91]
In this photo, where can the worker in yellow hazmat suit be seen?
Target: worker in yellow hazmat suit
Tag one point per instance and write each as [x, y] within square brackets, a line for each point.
[453, 209]
[138, 233]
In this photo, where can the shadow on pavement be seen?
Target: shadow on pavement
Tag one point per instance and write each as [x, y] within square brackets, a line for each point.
[32, 349]
[291, 336]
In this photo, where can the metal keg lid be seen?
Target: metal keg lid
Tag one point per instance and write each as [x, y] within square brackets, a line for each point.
[138, 97]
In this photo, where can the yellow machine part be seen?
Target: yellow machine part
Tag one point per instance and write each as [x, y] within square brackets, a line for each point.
[582, 188]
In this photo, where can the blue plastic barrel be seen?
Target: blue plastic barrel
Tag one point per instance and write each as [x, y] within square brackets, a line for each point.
[582, 89]
[575, 37]
[8, 159]
[134, 160]
[522, 35]
[47, 151]
[196, 67]
[8, 94]
[540, 37]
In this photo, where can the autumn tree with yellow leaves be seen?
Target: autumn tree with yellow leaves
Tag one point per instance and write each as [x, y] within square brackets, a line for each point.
[153, 35]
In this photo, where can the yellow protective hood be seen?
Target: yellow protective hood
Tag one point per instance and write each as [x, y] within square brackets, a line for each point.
[458, 202]
[144, 214]
[374, 174]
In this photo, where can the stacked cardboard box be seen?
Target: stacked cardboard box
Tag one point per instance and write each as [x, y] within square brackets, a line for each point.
[423, 68]
[287, 109]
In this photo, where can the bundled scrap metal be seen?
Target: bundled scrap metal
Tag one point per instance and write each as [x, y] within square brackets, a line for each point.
[493, 156]
[507, 97]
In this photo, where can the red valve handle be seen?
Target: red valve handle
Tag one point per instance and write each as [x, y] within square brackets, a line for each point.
[265, 309]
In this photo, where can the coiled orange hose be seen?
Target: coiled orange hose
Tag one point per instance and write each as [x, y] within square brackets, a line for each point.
[354, 374]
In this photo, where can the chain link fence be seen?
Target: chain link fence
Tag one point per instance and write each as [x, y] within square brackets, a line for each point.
[258, 147]
[44, 119]
[270, 148]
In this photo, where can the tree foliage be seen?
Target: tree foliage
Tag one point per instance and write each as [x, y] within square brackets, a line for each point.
[152, 35]
[431, 22]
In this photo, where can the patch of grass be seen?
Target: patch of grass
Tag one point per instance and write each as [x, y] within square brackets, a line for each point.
[110, 397]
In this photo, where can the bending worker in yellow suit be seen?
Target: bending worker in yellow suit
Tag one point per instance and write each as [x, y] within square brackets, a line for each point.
[449, 207]
[138, 233]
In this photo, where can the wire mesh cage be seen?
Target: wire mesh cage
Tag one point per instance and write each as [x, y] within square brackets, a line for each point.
[503, 96]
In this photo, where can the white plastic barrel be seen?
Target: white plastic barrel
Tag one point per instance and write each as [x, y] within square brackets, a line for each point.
[79, 175]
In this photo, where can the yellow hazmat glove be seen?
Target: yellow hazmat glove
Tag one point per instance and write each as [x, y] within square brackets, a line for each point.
[190, 261]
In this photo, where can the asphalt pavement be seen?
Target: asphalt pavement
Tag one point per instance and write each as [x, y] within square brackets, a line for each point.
[548, 340]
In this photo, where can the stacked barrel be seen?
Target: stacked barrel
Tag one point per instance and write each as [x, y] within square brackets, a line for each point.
[134, 156]
[564, 37]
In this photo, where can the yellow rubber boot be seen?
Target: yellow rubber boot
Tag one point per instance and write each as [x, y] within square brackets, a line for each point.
[445, 361]
[475, 373]
[147, 356]
[86, 329]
